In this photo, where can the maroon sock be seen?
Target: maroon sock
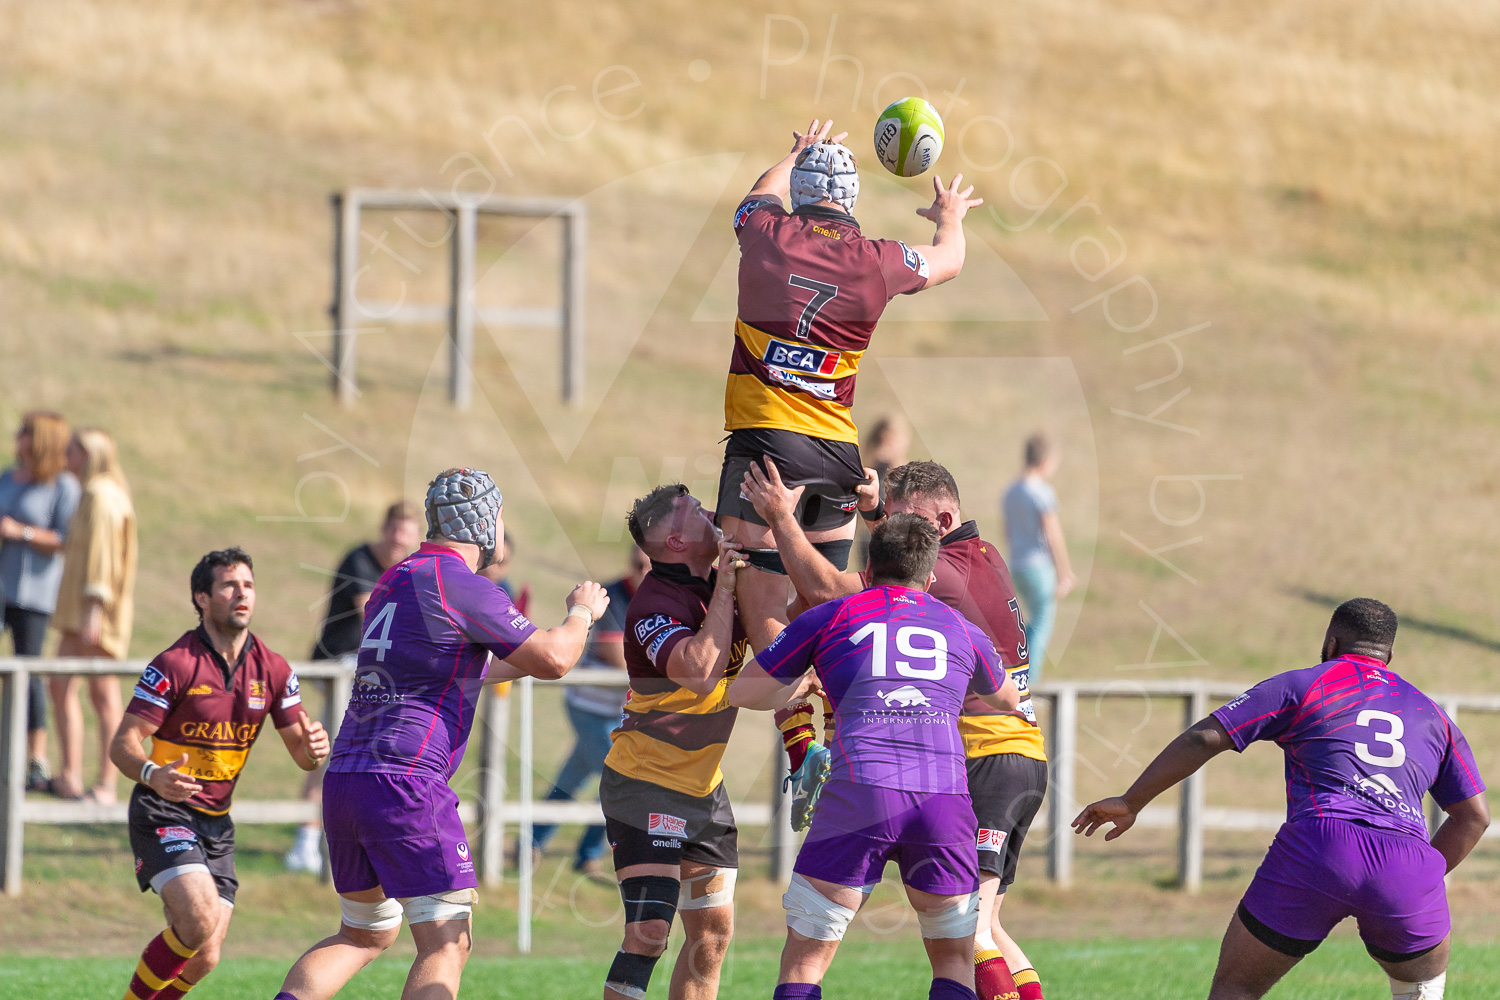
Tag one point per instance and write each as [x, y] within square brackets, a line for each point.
[992, 980]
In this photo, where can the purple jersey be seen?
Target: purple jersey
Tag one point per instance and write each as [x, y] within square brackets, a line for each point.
[430, 626]
[895, 663]
[1361, 743]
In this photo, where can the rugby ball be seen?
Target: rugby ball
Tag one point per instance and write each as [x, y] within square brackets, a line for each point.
[908, 137]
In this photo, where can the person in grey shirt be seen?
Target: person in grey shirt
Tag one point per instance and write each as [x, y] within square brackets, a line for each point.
[1039, 563]
[38, 496]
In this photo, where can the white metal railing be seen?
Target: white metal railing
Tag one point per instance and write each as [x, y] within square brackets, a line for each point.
[492, 808]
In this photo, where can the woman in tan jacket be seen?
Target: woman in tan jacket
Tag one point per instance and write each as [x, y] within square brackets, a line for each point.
[95, 606]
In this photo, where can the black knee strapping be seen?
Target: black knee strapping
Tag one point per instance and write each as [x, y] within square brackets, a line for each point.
[631, 974]
[650, 897]
[836, 552]
[768, 560]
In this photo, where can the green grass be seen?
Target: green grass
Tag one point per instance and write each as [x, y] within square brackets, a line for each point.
[1105, 970]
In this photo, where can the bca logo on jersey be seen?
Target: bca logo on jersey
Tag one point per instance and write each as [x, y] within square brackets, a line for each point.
[646, 626]
[780, 354]
[914, 259]
[662, 825]
[743, 212]
[153, 679]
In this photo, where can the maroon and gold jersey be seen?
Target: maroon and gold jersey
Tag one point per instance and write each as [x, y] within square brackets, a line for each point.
[204, 708]
[973, 579]
[671, 736]
[811, 291]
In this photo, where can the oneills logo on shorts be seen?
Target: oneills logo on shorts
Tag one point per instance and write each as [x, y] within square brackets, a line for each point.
[991, 840]
[662, 825]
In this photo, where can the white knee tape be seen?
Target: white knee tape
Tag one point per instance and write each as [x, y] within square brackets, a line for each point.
[984, 939]
[1431, 989]
[455, 905]
[814, 915]
[957, 921]
[706, 891]
[381, 916]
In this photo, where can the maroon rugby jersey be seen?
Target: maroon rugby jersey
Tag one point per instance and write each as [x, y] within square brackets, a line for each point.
[213, 712]
[811, 291]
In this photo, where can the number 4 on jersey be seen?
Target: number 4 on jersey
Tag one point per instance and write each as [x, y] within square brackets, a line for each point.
[382, 621]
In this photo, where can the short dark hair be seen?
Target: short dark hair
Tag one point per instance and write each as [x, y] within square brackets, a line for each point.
[1364, 619]
[401, 510]
[647, 512]
[926, 479]
[903, 549]
[202, 579]
[1038, 447]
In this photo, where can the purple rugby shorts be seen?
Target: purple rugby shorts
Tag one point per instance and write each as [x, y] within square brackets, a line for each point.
[858, 828]
[398, 832]
[1319, 871]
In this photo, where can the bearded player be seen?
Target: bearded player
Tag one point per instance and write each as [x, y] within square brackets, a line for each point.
[811, 289]
[1006, 759]
[1363, 746]
[896, 663]
[203, 702]
[395, 842]
[666, 810]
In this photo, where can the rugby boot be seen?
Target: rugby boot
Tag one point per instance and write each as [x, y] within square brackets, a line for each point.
[806, 784]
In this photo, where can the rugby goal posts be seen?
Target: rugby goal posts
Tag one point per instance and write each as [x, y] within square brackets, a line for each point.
[460, 311]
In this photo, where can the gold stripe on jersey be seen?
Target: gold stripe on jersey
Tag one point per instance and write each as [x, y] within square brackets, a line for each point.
[987, 735]
[203, 763]
[750, 402]
[692, 772]
[681, 701]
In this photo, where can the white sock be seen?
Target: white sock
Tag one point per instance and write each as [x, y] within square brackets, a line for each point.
[1431, 989]
[307, 837]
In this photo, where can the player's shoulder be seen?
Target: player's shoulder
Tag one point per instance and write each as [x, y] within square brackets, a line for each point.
[183, 654]
[268, 657]
[662, 593]
[762, 207]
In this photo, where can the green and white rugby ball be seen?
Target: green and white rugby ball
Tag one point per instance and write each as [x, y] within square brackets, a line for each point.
[908, 137]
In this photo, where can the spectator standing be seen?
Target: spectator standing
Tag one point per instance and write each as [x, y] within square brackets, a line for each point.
[884, 449]
[95, 606]
[339, 639]
[594, 712]
[38, 496]
[1038, 551]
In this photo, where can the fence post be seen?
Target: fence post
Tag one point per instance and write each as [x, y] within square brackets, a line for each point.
[1190, 820]
[523, 836]
[345, 322]
[575, 236]
[13, 774]
[461, 328]
[1060, 802]
[492, 787]
[783, 841]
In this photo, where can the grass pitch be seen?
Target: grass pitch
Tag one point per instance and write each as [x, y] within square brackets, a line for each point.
[1106, 970]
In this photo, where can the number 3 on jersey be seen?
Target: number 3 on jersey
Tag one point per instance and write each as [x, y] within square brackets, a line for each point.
[937, 652]
[1396, 756]
[382, 621]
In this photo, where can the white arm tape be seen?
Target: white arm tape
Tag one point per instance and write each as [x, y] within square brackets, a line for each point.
[957, 921]
[1431, 989]
[147, 770]
[579, 611]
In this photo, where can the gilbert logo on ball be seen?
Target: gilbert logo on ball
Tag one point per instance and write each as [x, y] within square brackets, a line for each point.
[908, 137]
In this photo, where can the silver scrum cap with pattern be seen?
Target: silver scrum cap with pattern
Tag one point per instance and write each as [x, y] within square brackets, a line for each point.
[463, 506]
[825, 170]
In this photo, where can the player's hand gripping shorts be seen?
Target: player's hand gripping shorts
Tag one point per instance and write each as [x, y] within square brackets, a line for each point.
[830, 470]
[650, 825]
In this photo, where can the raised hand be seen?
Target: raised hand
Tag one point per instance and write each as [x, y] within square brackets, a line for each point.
[770, 497]
[731, 561]
[171, 784]
[949, 201]
[592, 596]
[1112, 810]
[816, 132]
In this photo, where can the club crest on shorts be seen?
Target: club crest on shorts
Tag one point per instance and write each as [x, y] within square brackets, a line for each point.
[663, 825]
[167, 834]
[463, 852]
[991, 840]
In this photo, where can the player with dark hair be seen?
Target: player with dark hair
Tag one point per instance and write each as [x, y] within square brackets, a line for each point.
[666, 811]
[811, 289]
[202, 702]
[1363, 746]
[1006, 759]
[396, 846]
[897, 664]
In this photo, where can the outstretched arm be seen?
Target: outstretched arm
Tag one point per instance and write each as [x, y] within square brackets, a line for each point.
[777, 182]
[945, 257]
[816, 579]
[1467, 820]
[548, 655]
[755, 689]
[1182, 757]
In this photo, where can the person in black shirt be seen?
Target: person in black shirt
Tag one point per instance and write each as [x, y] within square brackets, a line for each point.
[358, 572]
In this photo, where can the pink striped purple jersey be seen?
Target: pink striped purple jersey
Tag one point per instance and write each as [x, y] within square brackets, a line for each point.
[896, 663]
[430, 627]
[1361, 743]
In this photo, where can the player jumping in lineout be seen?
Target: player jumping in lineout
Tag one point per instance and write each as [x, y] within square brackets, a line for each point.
[1363, 746]
[896, 663]
[811, 289]
[395, 843]
[203, 702]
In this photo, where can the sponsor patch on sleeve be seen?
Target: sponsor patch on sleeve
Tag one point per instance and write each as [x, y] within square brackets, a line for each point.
[742, 213]
[152, 679]
[660, 639]
[151, 698]
[293, 694]
[991, 840]
[914, 259]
